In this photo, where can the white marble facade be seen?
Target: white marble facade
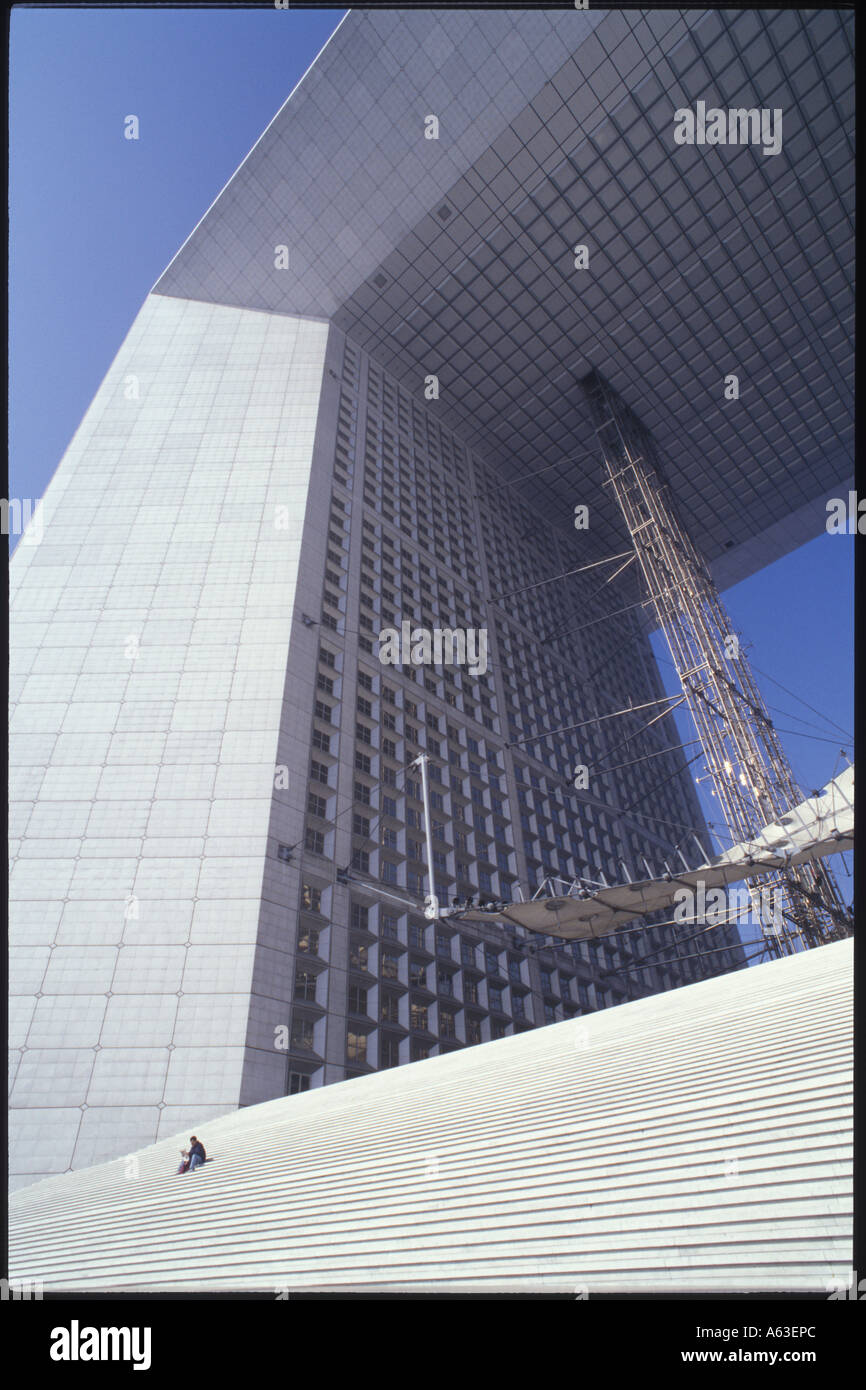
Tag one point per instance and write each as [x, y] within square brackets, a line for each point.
[150, 630]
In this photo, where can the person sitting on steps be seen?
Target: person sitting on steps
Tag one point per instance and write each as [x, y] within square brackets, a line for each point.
[197, 1153]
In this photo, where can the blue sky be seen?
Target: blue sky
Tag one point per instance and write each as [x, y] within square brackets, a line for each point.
[796, 622]
[96, 218]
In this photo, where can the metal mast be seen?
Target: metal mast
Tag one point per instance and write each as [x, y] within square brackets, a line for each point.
[431, 902]
[745, 759]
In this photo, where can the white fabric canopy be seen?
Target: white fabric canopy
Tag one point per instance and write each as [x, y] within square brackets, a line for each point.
[821, 825]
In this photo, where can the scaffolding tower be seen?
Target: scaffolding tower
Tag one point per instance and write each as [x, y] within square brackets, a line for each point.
[799, 908]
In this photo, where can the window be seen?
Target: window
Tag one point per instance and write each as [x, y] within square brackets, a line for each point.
[389, 1009]
[389, 838]
[389, 1052]
[447, 1028]
[517, 1007]
[418, 1051]
[389, 806]
[362, 761]
[416, 934]
[467, 953]
[473, 1030]
[390, 965]
[323, 711]
[361, 861]
[417, 974]
[443, 945]
[356, 1047]
[491, 962]
[311, 898]
[308, 940]
[318, 772]
[418, 1017]
[362, 793]
[321, 741]
[325, 683]
[546, 981]
[317, 805]
[360, 916]
[298, 1083]
[389, 872]
[495, 997]
[305, 985]
[357, 1000]
[358, 955]
[389, 925]
[302, 1034]
[314, 841]
[361, 826]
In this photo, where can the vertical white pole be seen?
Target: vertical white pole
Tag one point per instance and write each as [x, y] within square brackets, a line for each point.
[432, 910]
